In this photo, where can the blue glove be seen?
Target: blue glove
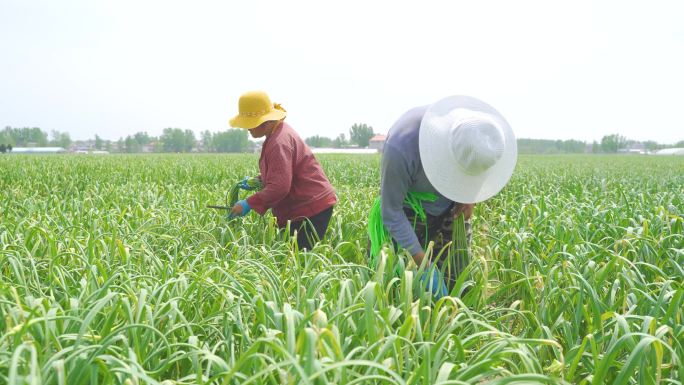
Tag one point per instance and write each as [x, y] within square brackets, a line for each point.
[434, 282]
[244, 185]
[245, 209]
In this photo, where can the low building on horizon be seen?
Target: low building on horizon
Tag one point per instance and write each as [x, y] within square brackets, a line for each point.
[377, 142]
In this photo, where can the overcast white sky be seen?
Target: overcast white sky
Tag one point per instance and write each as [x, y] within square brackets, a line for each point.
[558, 70]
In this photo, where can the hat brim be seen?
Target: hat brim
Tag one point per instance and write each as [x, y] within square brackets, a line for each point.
[249, 123]
[438, 161]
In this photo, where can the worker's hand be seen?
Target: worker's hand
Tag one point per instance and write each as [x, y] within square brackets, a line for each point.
[418, 257]
[240, 209]
[465, 208]
[434, 282]
[244, 184]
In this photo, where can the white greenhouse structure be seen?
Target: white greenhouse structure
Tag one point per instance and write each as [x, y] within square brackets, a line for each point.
[670, 151]
[38, 150]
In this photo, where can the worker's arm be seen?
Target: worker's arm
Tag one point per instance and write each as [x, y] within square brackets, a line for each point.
[277, 180]
[394, 185]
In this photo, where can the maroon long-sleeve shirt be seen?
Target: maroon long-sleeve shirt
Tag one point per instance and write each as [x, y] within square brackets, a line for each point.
[295, 186]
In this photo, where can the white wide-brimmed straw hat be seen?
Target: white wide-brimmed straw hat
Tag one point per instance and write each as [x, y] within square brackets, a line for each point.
[467, 149]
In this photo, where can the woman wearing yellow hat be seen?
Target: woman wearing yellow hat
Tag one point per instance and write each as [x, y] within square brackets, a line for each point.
[295, 187]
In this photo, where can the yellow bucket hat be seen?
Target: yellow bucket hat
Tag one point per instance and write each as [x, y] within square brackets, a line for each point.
[255, 107]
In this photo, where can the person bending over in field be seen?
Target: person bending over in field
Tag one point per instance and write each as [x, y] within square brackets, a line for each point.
[295, 187]
[438, 161]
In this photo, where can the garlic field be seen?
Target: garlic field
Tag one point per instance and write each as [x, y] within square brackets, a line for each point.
[113, 271]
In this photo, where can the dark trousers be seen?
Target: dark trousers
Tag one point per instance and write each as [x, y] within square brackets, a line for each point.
[311, 230]
[439, 229]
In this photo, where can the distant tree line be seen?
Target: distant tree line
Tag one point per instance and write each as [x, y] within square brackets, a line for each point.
[319, 141]
[171, 140]
[179, 140]
[548, 146]
[609, 144]
[237, 140]
[19, 137]
[322, 141]
[360, 135]
[33, 136]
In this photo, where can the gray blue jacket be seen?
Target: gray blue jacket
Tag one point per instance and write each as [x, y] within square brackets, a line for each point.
[401, 172]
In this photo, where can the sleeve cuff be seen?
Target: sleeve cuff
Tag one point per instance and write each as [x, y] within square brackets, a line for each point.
[255, 203]
[415, 249]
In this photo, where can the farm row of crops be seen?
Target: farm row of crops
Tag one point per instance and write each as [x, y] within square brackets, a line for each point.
[112, 271]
